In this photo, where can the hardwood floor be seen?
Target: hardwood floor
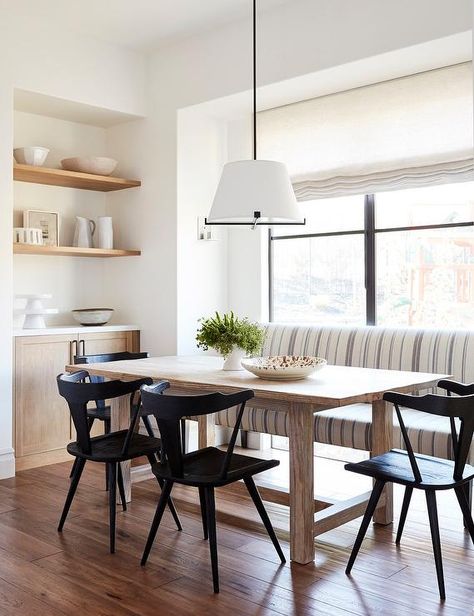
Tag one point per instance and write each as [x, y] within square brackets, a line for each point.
[46, 573]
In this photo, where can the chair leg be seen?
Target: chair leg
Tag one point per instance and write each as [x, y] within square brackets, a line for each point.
[183, 436]
[253, 491]
[372, 504]
[164, 498]
[211, 526]
[466, 510]
[202, 499]
[107, 430]
[244, 438]
[90, 421]
[403, 514]
[148, 426]
[468, 491]
[434, 526]
[121, 487]
[172, 508]
[72, 491]
[112, 505]
[73, 467]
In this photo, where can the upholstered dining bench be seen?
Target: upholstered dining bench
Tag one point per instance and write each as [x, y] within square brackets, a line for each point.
[412, 349]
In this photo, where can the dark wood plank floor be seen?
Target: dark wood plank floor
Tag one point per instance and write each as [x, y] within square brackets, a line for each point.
[44, 573]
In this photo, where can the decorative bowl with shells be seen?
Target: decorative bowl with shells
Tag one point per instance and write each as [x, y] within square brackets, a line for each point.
[284, 367]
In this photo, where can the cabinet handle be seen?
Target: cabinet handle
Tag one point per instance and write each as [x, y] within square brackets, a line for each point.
[72, 350]
[82, 350]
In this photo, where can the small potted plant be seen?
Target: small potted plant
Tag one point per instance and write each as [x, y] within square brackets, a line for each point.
[231, 336]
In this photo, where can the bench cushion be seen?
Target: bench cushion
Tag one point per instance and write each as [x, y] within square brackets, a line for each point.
[350, 426]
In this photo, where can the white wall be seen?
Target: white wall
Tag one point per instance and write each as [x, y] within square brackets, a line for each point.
[295, 39]
[33, 57]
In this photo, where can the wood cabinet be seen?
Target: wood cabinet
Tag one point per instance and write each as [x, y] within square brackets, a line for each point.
[42, 420]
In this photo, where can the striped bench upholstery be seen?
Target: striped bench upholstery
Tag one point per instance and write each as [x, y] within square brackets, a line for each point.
[417, 350]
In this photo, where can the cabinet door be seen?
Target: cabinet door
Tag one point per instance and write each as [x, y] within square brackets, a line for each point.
[42, 419]
[108, 342]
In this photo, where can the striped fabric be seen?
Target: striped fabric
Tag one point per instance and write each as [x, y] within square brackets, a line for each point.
[416, 350]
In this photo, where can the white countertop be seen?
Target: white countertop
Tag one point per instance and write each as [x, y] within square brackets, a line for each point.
[74, 329]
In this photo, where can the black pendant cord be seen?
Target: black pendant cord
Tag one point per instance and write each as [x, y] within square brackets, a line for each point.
[254, 79]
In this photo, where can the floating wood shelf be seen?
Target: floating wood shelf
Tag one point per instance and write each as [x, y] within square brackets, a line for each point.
[71, 251]
[70, 179]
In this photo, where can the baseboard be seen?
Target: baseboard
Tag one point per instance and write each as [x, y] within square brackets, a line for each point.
[35, 460]
[141, 473]
[7, 463]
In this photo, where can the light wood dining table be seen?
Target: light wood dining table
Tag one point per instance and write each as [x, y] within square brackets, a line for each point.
[334, 386]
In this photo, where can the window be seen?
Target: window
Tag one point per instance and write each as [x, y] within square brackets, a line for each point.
[396, 258]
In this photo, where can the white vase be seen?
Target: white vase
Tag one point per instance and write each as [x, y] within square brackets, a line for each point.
[234, 359]
[105, 232]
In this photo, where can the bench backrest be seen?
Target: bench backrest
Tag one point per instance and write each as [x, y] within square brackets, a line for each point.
[411, 349]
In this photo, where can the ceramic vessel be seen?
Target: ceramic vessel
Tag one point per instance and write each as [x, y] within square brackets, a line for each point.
[34, 310]
[33, 155]
[97, 165]
[105, 232]
[83, 232]
[233, 361]
[28, 235]
[284, 367]
[92, 316]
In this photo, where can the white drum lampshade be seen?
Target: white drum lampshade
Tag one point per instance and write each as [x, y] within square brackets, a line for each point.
[254, 192]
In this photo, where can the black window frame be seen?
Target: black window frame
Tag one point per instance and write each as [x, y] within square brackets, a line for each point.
[370, 231]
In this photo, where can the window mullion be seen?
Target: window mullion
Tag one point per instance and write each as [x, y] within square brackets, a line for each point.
[369, 251]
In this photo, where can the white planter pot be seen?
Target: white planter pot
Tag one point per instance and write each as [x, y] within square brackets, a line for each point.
[234, 359]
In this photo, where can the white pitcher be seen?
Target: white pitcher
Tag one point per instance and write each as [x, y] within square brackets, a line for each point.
[105, 232]
[83, 232]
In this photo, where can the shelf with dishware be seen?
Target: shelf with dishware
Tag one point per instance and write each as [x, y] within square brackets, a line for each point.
[72, 251]
[70, 179]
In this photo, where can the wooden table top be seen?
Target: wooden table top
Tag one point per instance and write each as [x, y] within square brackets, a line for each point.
[332, 386]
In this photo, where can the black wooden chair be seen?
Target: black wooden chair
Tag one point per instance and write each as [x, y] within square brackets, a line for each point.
[101, 411]
[111, 448]
[423, 472]
[206, 468]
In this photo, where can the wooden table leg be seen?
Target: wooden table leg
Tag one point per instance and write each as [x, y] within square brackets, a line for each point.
[301, 483]
[206, 431]
[382, 441]
[120, 420]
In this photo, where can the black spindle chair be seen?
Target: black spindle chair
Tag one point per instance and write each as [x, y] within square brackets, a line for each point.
[417, 471]
[206, 468]
[112, 448]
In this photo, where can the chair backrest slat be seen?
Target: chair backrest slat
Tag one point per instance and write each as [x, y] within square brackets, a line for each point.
[408, 447]
[170, 409]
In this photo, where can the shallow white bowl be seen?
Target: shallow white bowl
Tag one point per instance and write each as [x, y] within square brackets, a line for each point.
[284, 367]
[98, 165]
[33, 155]
[92, 316]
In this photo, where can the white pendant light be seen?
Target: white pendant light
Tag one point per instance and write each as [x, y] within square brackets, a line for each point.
[252, 192]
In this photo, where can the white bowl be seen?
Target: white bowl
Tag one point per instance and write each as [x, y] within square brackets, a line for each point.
[97, 165]
[33, 155]
[284, 367]
[92, 316]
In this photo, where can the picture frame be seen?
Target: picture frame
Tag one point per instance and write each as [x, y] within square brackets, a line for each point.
[48, 222]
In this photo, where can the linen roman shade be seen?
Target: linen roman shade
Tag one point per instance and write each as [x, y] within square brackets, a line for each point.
[403, 133]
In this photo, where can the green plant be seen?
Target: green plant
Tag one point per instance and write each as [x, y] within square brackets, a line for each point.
[224, 332]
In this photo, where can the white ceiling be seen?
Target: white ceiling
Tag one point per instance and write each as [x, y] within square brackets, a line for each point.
[139, 24]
